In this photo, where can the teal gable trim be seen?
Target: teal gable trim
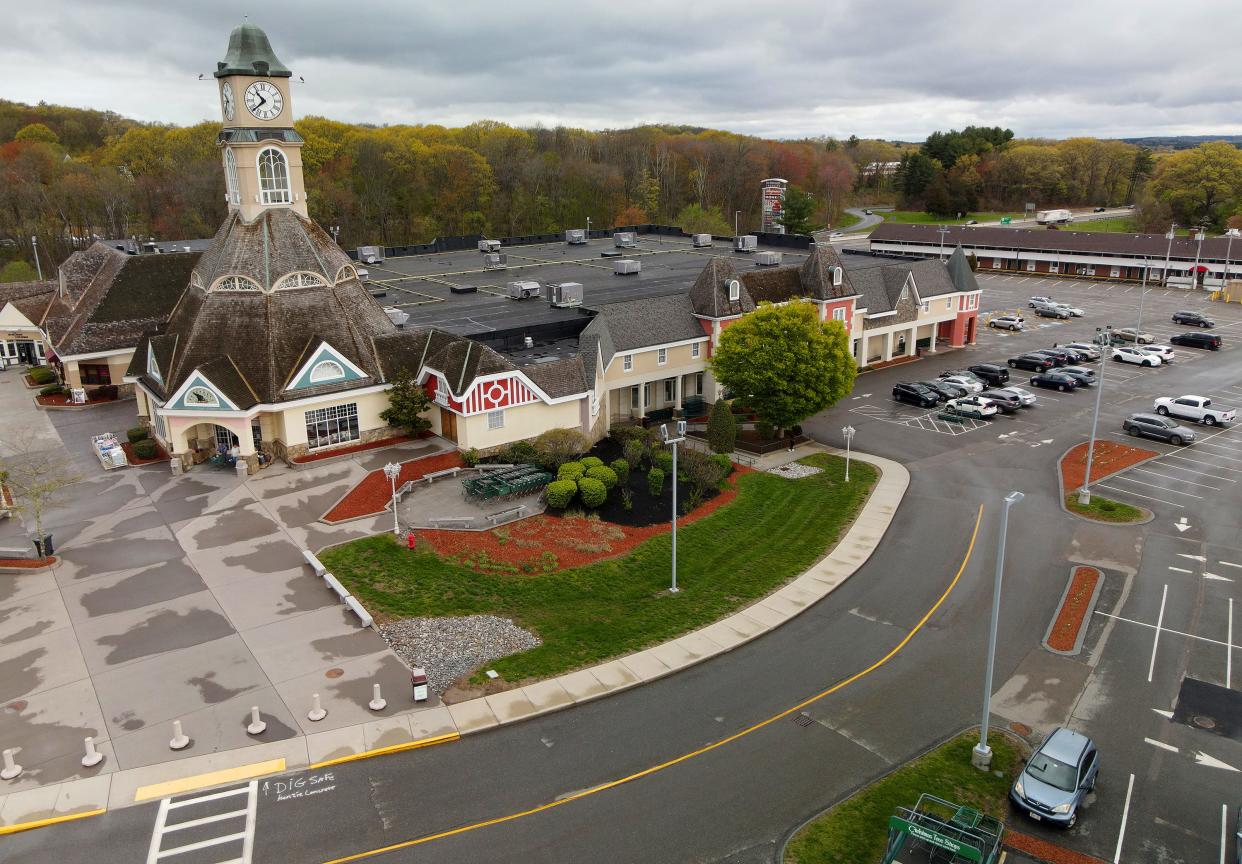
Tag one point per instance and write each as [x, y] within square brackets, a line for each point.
[199, 382]
[325, 352]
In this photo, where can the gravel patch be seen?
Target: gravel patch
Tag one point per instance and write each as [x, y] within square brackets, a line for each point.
[450, 647]
[794, 470]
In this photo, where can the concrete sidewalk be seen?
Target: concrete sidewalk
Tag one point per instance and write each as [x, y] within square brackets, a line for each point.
[387, 733]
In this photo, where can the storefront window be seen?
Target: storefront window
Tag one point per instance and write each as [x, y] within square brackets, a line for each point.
[335, 425]
[94, 373]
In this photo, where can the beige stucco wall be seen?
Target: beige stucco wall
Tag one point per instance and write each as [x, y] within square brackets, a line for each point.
[293, 420]
[647, 366]
[525, 421]
[117, 364]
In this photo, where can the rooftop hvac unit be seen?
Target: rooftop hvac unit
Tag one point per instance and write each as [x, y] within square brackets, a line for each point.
[371, 254]
[396, 316]
[565, 294]
[767, 259]
[363, 274]
[625, 239]
[701, 241]
[745, 243]
[523, 290]
[626, 267]
[463, 289]
[576, 236]
[528, 342]
[495, 261]
[487, 246]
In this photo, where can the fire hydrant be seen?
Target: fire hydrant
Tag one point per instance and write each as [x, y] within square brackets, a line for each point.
[410, 541]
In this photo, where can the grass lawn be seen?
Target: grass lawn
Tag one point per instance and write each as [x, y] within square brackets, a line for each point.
[1104, 509]
[917, 217]
[774, 530]
[856, 830]
[1120, 224]
[847, 220]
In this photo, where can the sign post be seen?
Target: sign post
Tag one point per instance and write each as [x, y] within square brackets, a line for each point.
[772, 191]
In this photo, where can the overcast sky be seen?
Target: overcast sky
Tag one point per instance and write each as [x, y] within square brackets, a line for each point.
[883, 68]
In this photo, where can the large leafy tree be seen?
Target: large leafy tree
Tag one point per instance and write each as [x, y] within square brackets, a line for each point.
[1203, 185]
[785, 363]
[798, 212]
[407, 403]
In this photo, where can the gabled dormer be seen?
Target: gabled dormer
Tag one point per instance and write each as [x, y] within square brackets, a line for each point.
[324, 365]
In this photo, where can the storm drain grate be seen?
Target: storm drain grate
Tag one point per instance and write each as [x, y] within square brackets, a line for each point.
[804, 720]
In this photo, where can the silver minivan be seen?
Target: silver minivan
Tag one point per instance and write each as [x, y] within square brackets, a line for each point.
[1057, 777]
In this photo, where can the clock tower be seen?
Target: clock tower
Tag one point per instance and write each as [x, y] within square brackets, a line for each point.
[262, 153]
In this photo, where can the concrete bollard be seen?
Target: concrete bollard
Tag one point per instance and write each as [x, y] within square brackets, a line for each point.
[377, 703]
[93, 757]
[317, 712]
[180, 740]
[257, 726]
[11, 769]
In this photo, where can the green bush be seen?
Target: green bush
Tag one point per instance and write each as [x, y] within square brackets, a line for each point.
[623, 433]
[558, 446]
[663, 460]
[621, 468]
[603, 474]
[655, 482]
[145, 449]
[560, 493]
[725, 463]
[632, 451]
[52, 390]
[591, 461]
[765, 430]
[572, 471]
[593, 491]
[721, 428]
[470, 457]
[136, 434]
[519, 452]
[42, 375]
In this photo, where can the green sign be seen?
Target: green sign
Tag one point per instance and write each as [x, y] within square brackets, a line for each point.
[1005, 220]
[940, 841]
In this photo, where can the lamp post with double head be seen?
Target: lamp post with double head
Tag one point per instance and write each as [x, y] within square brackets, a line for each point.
[392, 471]
[1224, 276]
[848, 432]
[1168, 254]
[673, 442]
[34, 250]
[1194, 273]
[1103, 338]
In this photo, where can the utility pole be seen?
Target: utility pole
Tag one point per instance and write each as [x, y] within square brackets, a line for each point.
[1142, 295]
[1224, 279]
[736, 214]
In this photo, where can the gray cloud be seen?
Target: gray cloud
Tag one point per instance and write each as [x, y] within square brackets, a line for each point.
[895, 69]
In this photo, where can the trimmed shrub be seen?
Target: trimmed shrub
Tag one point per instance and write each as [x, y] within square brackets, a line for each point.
[42, 375]
[621, 468]
[603, 474]
[519, 452]
[145, 449]
[571, 471]
[655, 482]
[52, 390]
[137, 434]
[663, 460]
[555, 447]
[624, 433]
[106, 392]
[560, 493]
[721, 429]
[593, 492]
[765, 430]
[591, 461]
[725, 463]
[470, 457]
[632, 451]
[701, 471]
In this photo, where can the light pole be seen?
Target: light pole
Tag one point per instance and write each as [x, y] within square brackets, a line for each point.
[1168, 253]
[1142, 295]
[1103, 338]
[848, 432]
[392, 471]
[981, 756]
[736, 213]
[335, 229]
[588, 236]
[34, 248]
[942, 231]
[1194, 274]
[674, 441]
[1224, 278]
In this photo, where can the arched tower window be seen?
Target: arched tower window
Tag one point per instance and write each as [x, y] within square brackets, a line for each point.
[326, 370]
[273, 177]
[230, 177]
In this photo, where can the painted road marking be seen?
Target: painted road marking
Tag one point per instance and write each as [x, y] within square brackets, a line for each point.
[1204, 759]
[1179, 569]
[1178, 480]
[1125, 815]
[1162, 629]
[1229, 650]
[1155, 642]
[233, 832]
[1230, 564]
[1153, 742]
[1167, 715]
[1136, 494]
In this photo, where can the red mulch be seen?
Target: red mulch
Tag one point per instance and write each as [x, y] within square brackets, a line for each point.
[574, 541]
[1074, 610]
[1045, 851]
[27, 563]
[61, 400]
[161, 455]
[1110, 457]
[884, 364]
[357, 448]
[374, 491]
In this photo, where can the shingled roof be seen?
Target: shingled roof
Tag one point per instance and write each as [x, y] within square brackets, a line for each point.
[29, 298]
[633, 324]
[813, 279]
[278, 242]
[710, 298]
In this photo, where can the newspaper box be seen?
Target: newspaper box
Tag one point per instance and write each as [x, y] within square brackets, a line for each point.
[418, 678]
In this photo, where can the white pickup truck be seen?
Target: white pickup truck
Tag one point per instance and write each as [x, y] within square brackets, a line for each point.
[1196, 408]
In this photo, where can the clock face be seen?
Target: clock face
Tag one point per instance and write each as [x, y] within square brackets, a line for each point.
[226, 100]
[264, 101]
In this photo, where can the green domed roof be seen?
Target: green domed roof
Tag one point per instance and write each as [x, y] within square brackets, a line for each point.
[250, 53]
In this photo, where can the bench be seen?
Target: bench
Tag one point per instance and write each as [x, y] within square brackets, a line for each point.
[452, 520]
[364, 617]
[313, 562]
[10, 553]
[335, 584]
[403, 489]
[447, 472]
[506, 515]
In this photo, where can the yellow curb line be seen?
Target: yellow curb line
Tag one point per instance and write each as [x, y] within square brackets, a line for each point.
[40, 823]
[384, 751]
[213, 778]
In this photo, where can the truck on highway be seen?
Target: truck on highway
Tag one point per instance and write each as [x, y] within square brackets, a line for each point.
[1054, 217]
[1196, 408]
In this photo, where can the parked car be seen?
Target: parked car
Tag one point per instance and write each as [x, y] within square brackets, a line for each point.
[1099, 210]
[1194, 319]
[1007, 322]
[1087, 351]
[1196, 408]
[1032, 362]
[1054, 380]
[990, 373]
[1207, 341]
[970, 382]
[866, 212]
[1057, 777]
[972, 406]
[1038, 299]
[1006, 400]
[1025, 397]
[972, 221]
[1058, 356]
[1160, 428]
[1048, 310]
[916, 394]
[1129, 334]
[1084, 376]
[1137, 356]
[1074, 311]
[945, 390]
[1164, 352]
[1073, 354]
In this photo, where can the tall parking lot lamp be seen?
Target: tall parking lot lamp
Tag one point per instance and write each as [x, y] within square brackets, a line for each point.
[1168, 253]
[392, 471]
[1194, 274]
[1142, 295]
[1224, 277]
[981, 756]
[1103, 338]
[673, 442]
[736, 213]
[848, 432]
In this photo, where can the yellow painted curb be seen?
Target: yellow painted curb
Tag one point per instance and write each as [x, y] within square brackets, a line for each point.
[40, 823]
[213, 778]
[384, 751]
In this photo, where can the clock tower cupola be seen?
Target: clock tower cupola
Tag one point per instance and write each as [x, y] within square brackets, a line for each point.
[261, 151]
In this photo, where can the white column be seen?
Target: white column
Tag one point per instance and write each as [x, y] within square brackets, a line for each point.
[888, 347]
[677, 388]
[642, 399]
[935, 328]
[912, 341]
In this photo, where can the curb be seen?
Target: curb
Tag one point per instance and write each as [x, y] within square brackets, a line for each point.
[1061, 497]
[1086, 618]
[53, 820]
[384, 751]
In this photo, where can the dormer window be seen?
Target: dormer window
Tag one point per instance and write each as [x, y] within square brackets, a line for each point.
[301, 280]
[345, 273]
[837, 274]
[735, 290]
[273, 177]
[201, 397]
[326, 370]
[153, 368]
[235, 283]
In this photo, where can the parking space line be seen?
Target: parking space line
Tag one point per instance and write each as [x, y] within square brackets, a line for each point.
[1136, 494]
[1153, 742]
[1197, 471]
[1155, 642]
[1177, 479]
[1125, 815]
[1200, 462]
[1224, 447]
[1224, 821]
[1229, 649]
[1156, 486]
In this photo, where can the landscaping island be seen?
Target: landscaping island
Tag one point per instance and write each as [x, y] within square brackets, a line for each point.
[1109, 457]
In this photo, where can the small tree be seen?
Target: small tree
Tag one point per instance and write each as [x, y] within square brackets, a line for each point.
[785, 362]
[558, 446]
[721, 428]
[407, 402]
[35, 474]
[797, 212]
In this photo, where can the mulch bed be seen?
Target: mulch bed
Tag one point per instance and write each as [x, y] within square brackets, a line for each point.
[61, 400]
[1045, 851]
[1110, 457]
[161, 455]
[374, 491]
[1073, 614]
[27, 563]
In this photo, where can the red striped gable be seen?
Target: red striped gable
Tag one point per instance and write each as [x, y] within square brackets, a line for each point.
[483, 395]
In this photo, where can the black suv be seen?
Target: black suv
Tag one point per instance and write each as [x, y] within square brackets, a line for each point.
[916, 394]
[1007, 402]
[1033, 362]
[1194, 319]
[1055, 380]
[945, 390]
[1208, 341]
[992, 375]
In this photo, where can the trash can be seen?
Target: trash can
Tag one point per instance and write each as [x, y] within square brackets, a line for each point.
[43, 545]
[418, 678]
